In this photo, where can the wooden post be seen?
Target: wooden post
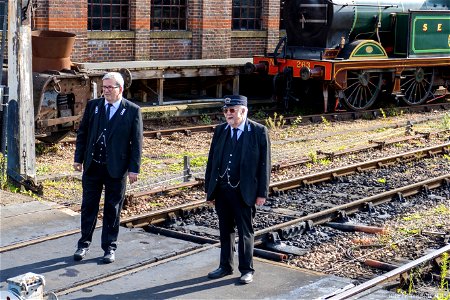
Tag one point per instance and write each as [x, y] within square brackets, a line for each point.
[187, 168]
[160, 88]
[21, 144]
[236, 85]
[219, 88]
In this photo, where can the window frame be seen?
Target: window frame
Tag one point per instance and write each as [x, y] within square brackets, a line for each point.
[247, 16]
[107, 20]
[172, 15]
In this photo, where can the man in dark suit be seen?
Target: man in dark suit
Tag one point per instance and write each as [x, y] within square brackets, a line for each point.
[108, 148]
[237, 177]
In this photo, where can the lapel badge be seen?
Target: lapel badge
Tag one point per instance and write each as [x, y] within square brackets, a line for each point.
[122, 112]
[96, 109]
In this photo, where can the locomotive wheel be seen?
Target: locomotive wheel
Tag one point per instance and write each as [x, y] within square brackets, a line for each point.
[362, 89]
[417, 85]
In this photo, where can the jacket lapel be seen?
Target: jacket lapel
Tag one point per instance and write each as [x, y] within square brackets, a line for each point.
[117, 118]
[245, 140]
[221, 143]
[97, 116]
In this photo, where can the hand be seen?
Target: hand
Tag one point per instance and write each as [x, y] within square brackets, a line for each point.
[260, 201]
[211, 203]
[132, 177]
[77, 167]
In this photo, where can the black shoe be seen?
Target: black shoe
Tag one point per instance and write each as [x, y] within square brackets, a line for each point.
[80, 253]
[109, 257]
[219, 273]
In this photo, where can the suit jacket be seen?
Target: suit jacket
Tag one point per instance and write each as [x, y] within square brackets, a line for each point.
[123, 140]
[254, 164]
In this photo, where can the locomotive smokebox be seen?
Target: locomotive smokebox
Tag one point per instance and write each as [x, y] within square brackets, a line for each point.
[51, 50]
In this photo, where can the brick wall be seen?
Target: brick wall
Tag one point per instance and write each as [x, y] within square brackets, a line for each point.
[209, 25]
[102, 50]
[247, 47]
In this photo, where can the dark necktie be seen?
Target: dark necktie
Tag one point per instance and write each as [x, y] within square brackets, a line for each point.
[108, 110]
[234, 137]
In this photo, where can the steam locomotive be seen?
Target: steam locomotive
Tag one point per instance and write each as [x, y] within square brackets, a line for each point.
[349, 51]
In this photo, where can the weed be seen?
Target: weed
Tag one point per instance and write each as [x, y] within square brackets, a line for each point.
[443, 293]
[446, 121]
[277, 122]
[407, 231]
[199, 161]
[410, 285]
[383, 113]
[3, 176]
[325, 121]
[297, 121]
[313, 157]
[441, 210]
[41, 148]
[412, 217]
[324, 161]
[381, 180]
[42, 170]
[260, 115]
[205, 119]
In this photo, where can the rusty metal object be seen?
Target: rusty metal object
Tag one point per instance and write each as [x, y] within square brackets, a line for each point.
[51, 50]
[392, 274]
[355, 227]
[379, 265]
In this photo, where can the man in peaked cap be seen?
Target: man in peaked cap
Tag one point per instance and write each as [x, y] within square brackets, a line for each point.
[236, 179]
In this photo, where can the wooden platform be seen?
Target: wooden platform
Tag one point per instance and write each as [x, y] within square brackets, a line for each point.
[222, 69]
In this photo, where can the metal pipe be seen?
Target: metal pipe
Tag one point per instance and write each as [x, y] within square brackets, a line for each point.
[271, 255]
[5, 28]
[355, 227]
[180, 235]
[4, 103]
[379, 265]
[204, 240]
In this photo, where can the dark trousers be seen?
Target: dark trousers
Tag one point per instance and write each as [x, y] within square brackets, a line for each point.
[234, 213]
[94, 179]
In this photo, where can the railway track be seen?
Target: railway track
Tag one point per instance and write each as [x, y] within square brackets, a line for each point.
[289, 120]
[290, 223]
[293, 226]
[160, 215]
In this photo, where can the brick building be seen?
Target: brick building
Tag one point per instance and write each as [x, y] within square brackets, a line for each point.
[120, 30]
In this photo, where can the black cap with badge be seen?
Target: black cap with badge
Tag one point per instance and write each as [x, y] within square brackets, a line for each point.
[233, 100]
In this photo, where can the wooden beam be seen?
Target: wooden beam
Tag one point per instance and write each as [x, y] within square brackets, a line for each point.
[22, 158]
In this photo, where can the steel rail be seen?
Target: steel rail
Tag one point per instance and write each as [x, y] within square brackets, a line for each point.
[389, 275]
[158, 216]
[357, 167]
[316, 118]
[330, 214]
[161, 215]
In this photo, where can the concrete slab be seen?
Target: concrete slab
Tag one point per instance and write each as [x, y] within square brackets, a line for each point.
[54, 258]
[186, 278]
[27, 221]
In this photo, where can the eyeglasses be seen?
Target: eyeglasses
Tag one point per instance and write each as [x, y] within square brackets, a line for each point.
[231, 110]
[110, 87]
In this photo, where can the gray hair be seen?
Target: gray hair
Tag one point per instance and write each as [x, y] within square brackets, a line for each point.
[116, 76]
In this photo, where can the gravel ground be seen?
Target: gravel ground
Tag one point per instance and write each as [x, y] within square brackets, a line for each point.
[162, 159]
